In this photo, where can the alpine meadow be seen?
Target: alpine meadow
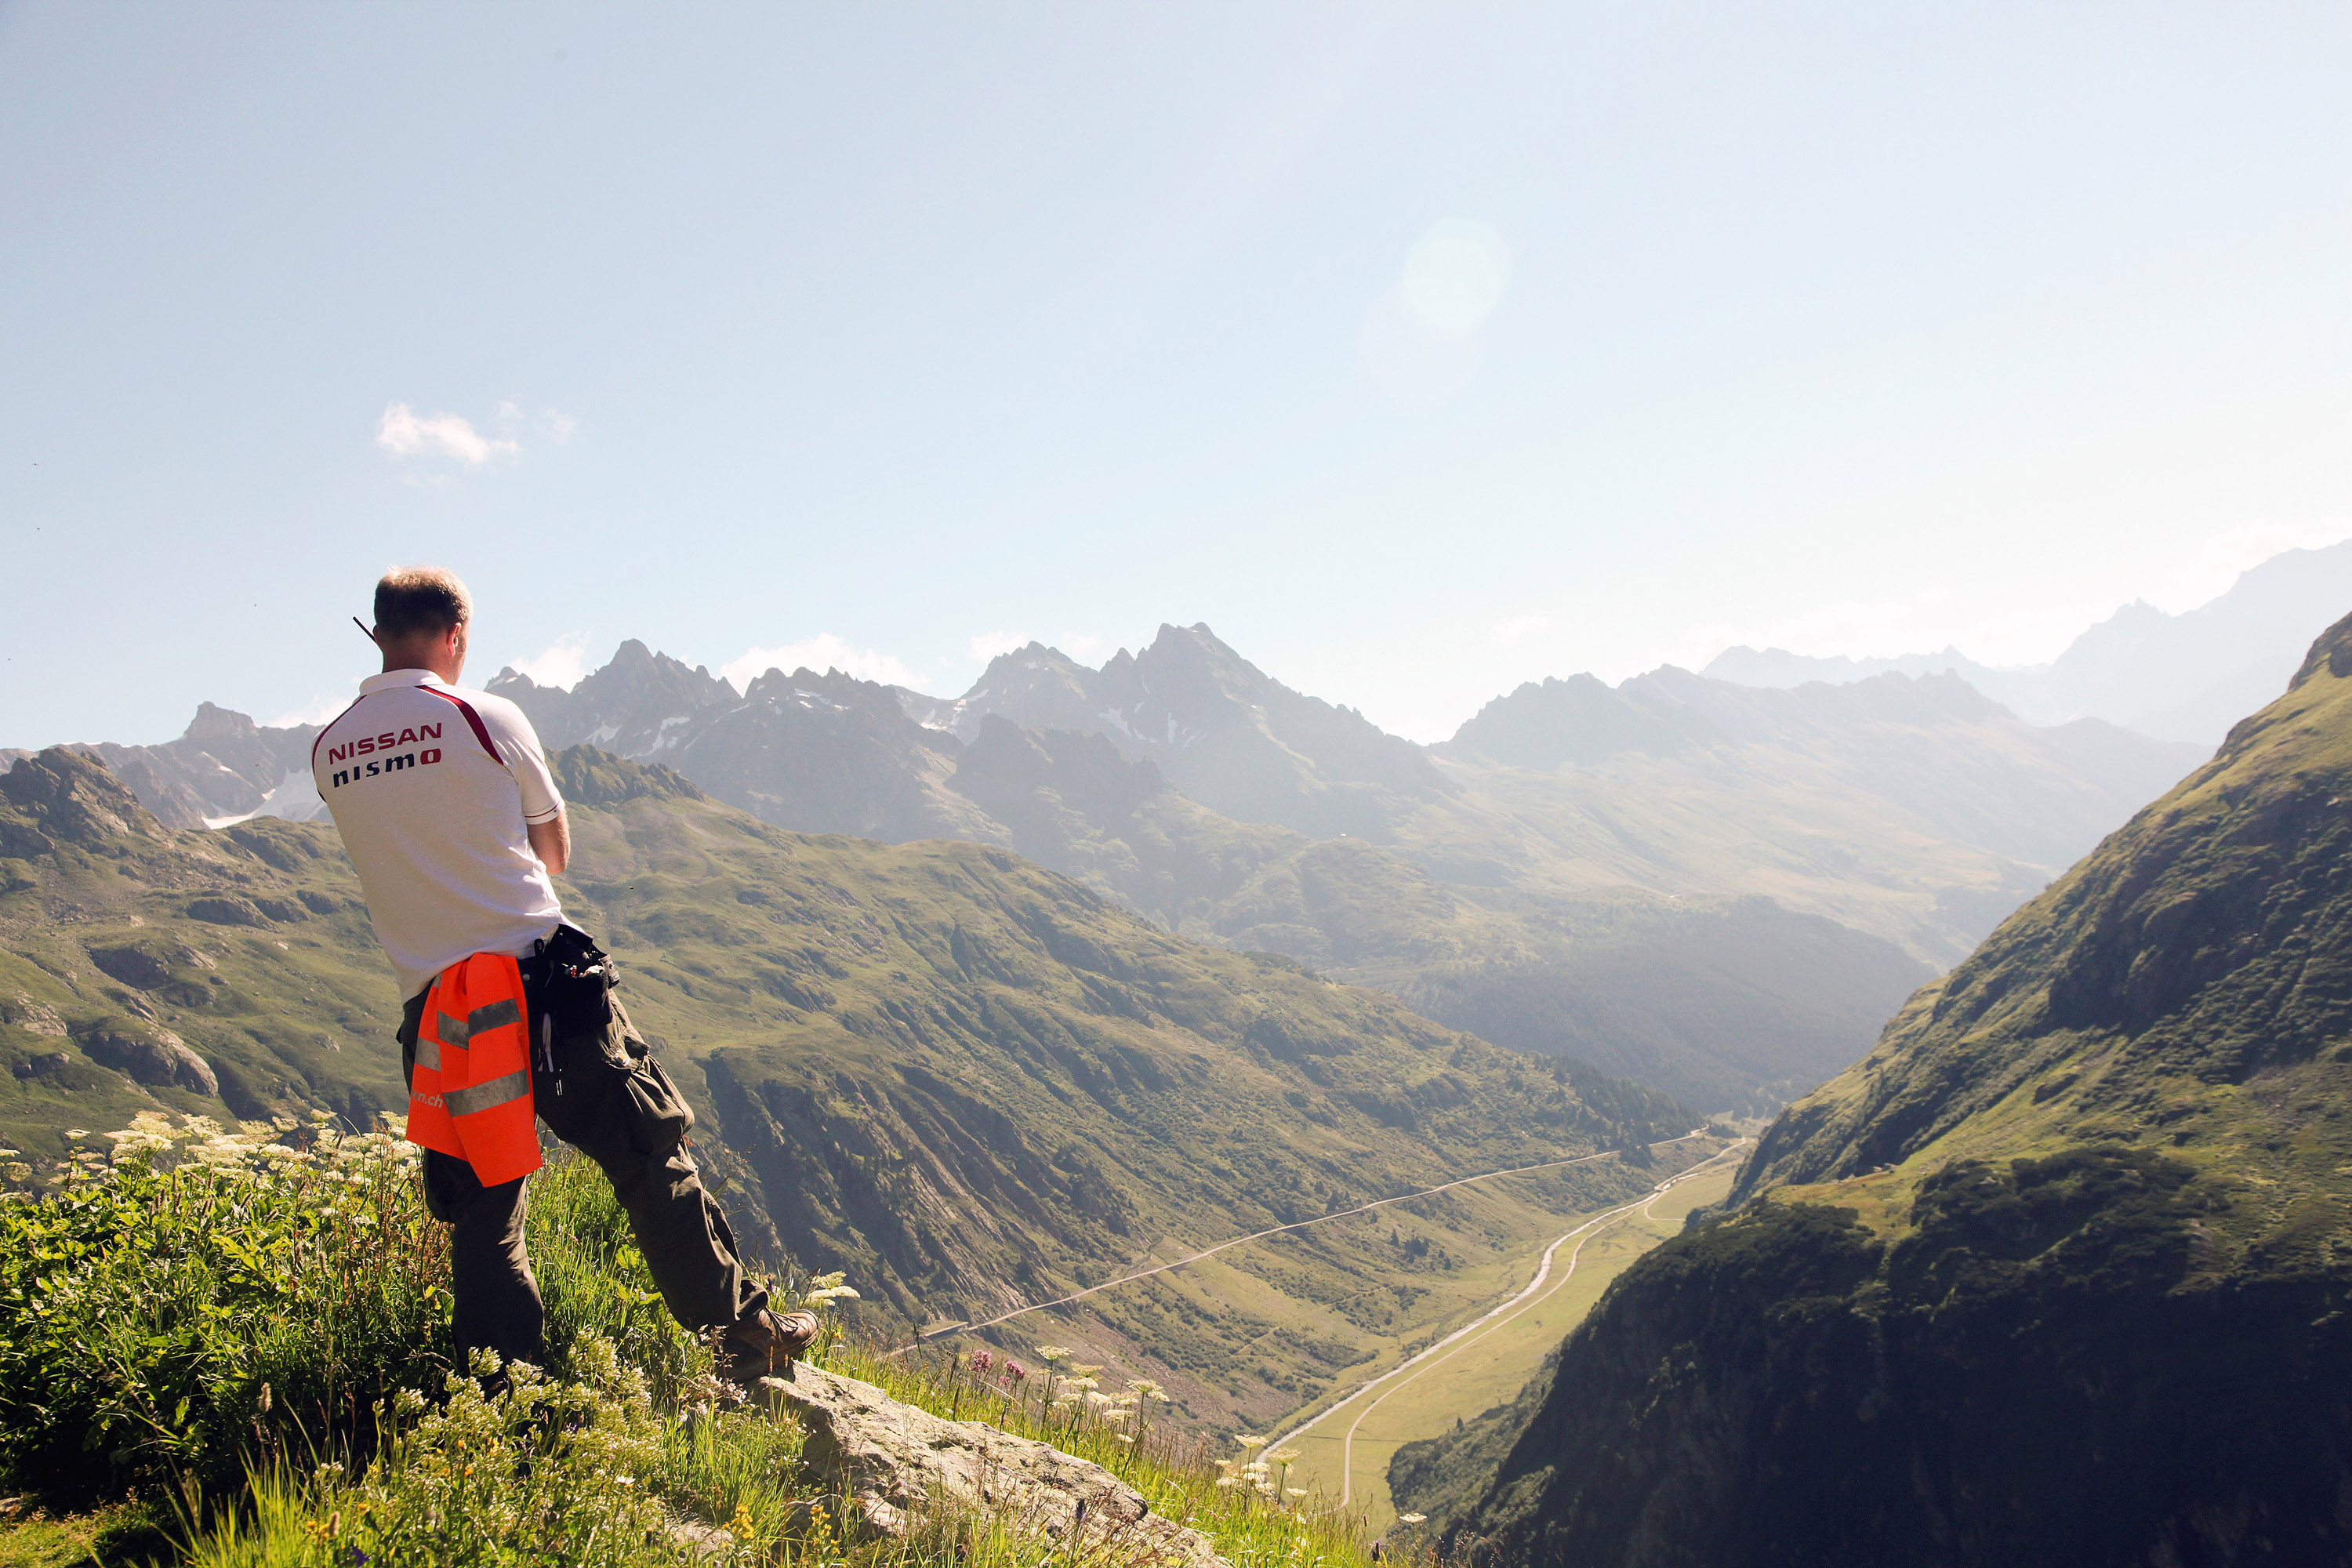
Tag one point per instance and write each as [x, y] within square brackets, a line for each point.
[1511, 787]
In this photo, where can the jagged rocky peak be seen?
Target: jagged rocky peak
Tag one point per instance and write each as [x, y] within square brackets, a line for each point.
[627, 706]
[804, 688]
[215, 725]
[224, 768]
[1227, 733]
[1038, 685]
[62, 793]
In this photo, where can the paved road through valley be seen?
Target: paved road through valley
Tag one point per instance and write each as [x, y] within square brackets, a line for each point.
[1278, 1230]
[1468, 1333]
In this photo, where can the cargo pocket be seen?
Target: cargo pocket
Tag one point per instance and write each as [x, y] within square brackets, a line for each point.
[658, 1117]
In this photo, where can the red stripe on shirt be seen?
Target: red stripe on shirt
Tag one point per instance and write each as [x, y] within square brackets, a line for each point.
[481, 733]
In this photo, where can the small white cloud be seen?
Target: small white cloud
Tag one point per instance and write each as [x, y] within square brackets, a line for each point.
[561, 664]
[561, 426]
[1518, 628]
[318, 711]
[1082, 645]
[401, 433]
[988, 645]
[822, 651]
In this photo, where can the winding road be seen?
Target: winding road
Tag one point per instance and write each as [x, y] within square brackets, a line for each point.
[1300, 1225]
[1470, 1332]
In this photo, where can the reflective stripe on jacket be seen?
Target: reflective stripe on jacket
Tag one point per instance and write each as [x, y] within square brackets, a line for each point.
[469, 1093]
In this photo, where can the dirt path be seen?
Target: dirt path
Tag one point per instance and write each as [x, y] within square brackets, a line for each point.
[1278, 1230]
[1461, 1338]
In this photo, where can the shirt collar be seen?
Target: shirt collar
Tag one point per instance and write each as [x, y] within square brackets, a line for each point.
[394, 678]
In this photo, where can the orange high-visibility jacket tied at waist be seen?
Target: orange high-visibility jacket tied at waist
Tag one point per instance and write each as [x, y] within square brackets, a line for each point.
[470, 1096]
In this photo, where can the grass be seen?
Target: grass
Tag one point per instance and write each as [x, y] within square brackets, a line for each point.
[960, 1078]
[1491, 1367]
[625, 1454]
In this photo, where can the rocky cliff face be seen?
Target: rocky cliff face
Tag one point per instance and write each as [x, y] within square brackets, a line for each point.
[2056, 1274]
[1230, 736]
[225, 769]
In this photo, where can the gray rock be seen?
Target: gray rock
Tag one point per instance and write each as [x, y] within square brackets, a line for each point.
[895, 1463]
[150, 1055]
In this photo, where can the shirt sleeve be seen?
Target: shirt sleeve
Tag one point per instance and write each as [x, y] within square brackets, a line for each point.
[517, 744]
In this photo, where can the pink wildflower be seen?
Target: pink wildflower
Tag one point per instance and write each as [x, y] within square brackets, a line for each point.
[1016, 1371]
[981, 1360]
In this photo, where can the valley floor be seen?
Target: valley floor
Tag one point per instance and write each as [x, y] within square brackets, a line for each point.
[1346, 1453]
[1251, 1338]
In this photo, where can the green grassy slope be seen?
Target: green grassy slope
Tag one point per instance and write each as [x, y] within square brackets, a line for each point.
[973, 1085]
[2057, 1273]
[1580, 867]
[142, 967]
[966, 1079]
[1730, 1004]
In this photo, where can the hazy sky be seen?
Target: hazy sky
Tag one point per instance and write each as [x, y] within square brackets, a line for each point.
[1419, 350]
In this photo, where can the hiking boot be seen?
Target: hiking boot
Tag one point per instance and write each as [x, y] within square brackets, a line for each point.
[763, 1344]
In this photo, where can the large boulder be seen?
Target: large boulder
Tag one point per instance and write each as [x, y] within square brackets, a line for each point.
[149, 1054]
[894, 1463]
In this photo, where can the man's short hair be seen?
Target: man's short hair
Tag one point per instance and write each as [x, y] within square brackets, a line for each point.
[413, 599]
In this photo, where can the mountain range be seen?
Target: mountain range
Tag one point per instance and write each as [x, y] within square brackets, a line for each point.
[2185, 677]
[965, 1080]
[2057, 1273]
[1714, 889]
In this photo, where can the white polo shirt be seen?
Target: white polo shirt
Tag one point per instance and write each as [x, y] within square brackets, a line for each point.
[431, 787]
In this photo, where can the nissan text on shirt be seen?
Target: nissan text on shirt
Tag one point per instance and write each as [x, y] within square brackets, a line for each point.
[413, 759]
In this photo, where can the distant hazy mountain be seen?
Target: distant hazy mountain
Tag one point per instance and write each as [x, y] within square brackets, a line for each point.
[226, 769]
[1717, 890]
[2055, 1274]
[1568, 872]
[1225, 733]
[967, 1080]
[2184, 678]
[1932, 751]
[1100, 774]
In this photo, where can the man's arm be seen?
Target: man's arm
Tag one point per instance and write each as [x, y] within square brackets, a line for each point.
[551, 842]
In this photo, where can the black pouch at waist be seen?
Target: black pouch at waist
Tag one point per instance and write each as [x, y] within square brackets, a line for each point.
[574, 979]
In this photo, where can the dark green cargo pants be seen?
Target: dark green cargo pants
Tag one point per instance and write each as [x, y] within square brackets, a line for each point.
[599, 1089]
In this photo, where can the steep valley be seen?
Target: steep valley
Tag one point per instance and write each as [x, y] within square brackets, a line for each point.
[1716, 890]
[2057, 1273]
[965, 1080]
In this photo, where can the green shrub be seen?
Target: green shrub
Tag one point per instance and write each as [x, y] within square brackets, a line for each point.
[208, 1298]
[539, 1473]
[247, 1329]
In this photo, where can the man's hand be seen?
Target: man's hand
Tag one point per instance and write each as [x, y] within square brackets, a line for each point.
[551, 842]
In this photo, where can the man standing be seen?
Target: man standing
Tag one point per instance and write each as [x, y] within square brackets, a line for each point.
[446, 806]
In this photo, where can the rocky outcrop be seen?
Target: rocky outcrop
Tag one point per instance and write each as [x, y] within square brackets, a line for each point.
[62, 794]
[149, 1054]
[896, 1464]
[225, 768]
